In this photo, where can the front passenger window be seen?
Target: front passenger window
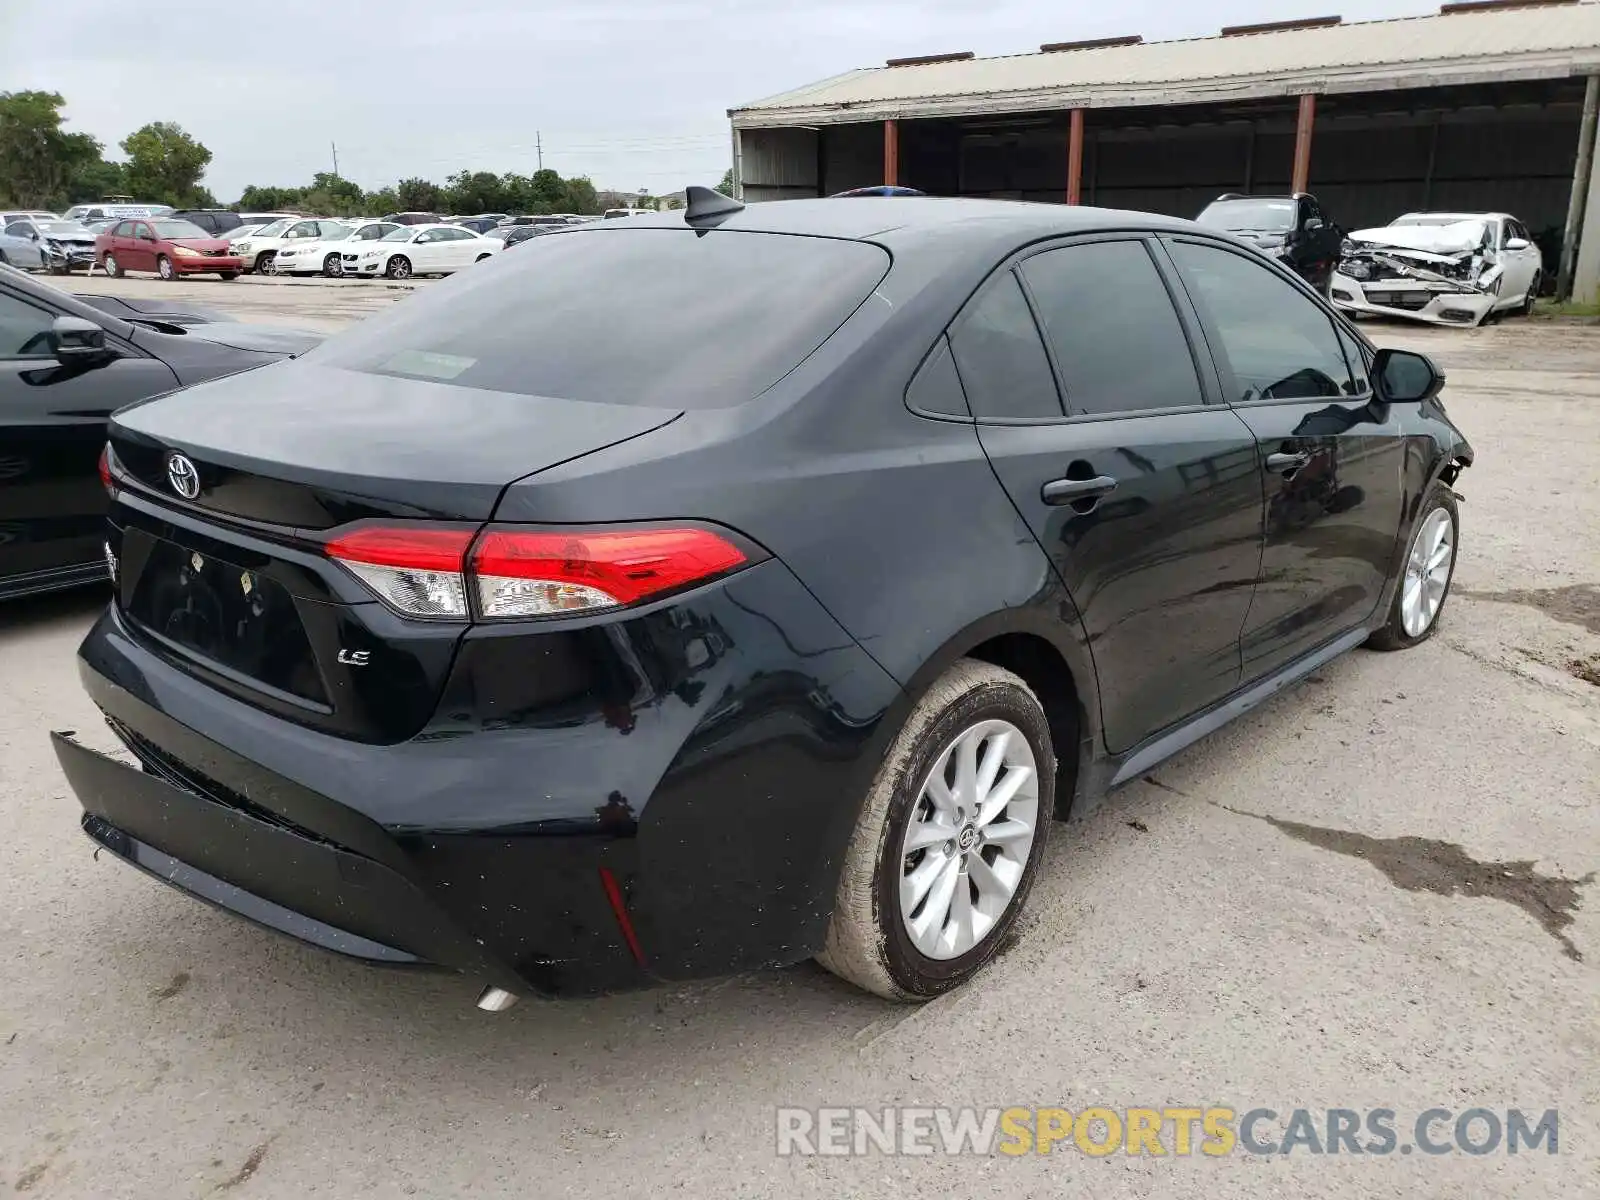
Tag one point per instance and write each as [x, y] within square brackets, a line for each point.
[1279, 344]
[24, 330]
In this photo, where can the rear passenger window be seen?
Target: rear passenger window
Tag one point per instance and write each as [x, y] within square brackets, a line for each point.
[936, 388]
[1109, 321]
[1279, 344]
[1000, 358]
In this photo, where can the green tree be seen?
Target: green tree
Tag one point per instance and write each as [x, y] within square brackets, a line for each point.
[94, 179]
[268, 199]
[165, 164]
[419, 195]
[726, 186]
[581, 197]
[475, 192]
[384, 200]
[38, 159]
[331, 195]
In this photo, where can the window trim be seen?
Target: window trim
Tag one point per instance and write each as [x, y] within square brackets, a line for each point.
[990, 282]
[942, 342]
[1219, 354]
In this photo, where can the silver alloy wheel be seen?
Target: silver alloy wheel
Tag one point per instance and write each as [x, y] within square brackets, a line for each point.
[399, 267]
[164, 267]
[110, 265]
[1427, 572]
[333, 266]
[967, 839]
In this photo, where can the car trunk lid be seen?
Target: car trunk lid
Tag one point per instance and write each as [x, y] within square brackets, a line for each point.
[232, 584]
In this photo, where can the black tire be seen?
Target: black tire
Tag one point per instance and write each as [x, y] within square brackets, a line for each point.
[112, 267]
[164, 270]
[227, 276]
[3, 260]
[398, 267]
[333, 266]
[1526, 310]
[1393, 635]
[264, 262]
[481, 257]
[867, 942]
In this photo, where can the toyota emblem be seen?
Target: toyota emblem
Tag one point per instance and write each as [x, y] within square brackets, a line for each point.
[183, 477]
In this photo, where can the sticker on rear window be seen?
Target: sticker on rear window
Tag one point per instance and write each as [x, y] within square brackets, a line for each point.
[427, 364]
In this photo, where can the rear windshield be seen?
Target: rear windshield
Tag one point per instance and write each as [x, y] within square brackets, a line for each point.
[658, 317]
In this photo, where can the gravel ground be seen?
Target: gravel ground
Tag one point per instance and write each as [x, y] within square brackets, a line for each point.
[1375, 891]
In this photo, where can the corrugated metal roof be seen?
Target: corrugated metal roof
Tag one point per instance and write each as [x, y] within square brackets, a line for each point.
[1520, 43]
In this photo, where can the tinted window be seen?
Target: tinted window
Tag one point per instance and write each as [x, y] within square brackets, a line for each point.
[1356, 356]
[24, 329]
[1000, 358]
[1110, 323]
[1278, 342]
[710, 320]
[19, 229]
[937, 387]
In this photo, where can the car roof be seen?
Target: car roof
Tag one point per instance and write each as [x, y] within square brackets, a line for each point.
[864, 218]
[1455, 216]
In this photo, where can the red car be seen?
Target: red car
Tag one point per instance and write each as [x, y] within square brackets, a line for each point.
[166, 246]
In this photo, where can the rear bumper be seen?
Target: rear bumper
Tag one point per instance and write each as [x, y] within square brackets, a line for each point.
[707, 757]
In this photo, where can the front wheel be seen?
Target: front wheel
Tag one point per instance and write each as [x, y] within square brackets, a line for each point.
[1429, 567]
[949, 840]
[399, 267]
[333, 266]
[266, 263]
[164, 268]
[1532, 297]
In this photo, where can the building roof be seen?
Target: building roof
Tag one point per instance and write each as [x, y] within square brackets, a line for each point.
[1540, 41]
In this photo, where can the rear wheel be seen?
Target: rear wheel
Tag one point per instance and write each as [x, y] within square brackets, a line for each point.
[949, 840]
[399, 267]
[1429, 567]
[112, 266]
[164, 268]
[228, 275]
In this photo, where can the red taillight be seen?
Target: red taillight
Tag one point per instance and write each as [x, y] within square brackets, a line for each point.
[106, 479]
[415, 569]
[427, 571]
[535, 574]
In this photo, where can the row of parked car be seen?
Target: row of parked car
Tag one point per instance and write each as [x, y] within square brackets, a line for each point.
[1446, 268]
[173, 243]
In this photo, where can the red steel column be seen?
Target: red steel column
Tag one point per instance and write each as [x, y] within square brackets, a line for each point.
[891, 152]
[1075, 159]
[1302, 143]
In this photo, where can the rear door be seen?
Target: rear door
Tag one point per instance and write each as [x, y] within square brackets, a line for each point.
[1142, 490]
[52, 429]
[1331, 455]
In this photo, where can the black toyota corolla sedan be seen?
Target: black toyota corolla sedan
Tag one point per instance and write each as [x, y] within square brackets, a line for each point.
[65, 363]
[720, 589]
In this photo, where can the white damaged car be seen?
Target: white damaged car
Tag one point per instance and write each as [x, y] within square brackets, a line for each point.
[1443, 268]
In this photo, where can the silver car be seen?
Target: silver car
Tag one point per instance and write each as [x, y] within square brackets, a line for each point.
[47, 244]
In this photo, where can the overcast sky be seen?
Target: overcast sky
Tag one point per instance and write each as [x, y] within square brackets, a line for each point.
[632, 93]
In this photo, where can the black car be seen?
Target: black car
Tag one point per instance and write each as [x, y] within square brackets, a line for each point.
[64, 366]
[476, 224]
[573, 643]
[513, 235]
[215, 221]
[1293, 229]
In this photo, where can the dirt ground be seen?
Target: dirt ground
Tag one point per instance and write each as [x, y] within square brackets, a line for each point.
[1375, 891]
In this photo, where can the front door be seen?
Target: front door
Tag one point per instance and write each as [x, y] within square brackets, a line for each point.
[1144, 495]
[141, 252]
[1331, 454]
[52, 429]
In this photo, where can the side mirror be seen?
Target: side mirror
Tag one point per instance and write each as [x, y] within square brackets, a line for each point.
[79, 343]
[1314, 224]
[1403, 377]
[33, 235]
[1517, 244]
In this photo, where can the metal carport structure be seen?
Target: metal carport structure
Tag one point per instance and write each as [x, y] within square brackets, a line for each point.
[1478, 108]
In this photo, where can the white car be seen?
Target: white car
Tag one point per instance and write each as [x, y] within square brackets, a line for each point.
[327, 255]
[260, 249]
[421, 250]
[1443, 268]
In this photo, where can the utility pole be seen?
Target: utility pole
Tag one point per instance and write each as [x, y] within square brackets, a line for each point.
[335, 147]
[538, 141]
